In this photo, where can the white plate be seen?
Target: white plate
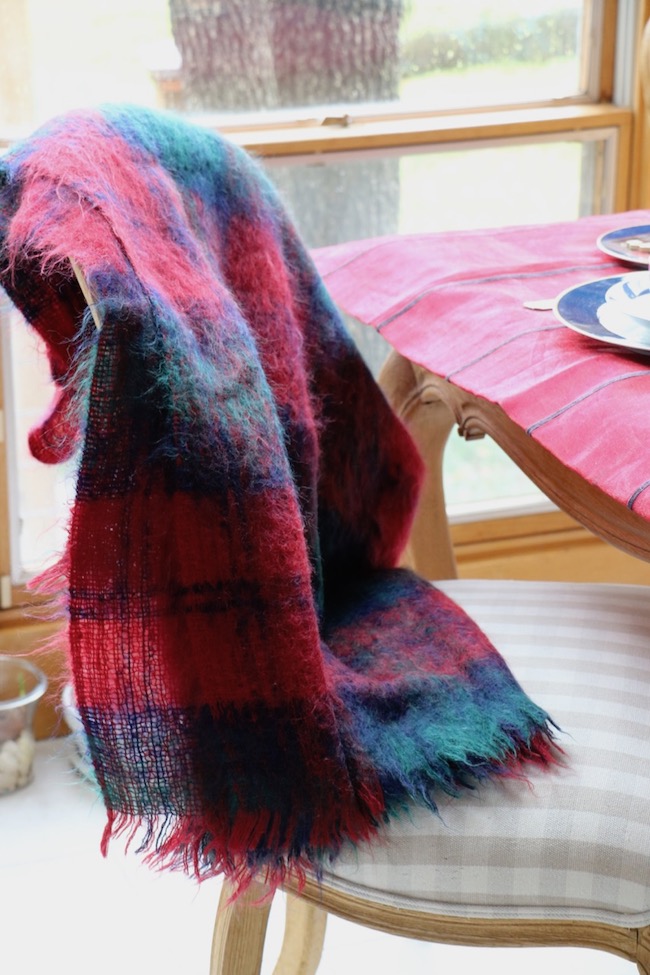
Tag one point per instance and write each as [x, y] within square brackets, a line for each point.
[635, 330]
[579, 308]
[632, 295]
[626, 309]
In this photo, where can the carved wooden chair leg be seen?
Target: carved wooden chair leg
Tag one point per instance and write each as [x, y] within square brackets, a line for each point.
[643, 951]
[239, 931]
[304, 933]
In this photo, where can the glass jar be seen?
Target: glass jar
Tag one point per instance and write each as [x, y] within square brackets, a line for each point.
[21, 687]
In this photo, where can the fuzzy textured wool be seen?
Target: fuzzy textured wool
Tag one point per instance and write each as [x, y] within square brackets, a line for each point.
[258, 683]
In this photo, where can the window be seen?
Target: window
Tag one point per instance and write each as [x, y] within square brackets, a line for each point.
[372, 116]
[252, 56]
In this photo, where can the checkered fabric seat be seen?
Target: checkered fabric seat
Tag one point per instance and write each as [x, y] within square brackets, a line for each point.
[573, 843]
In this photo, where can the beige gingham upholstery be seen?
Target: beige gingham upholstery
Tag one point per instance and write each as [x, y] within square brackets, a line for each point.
[574, 843]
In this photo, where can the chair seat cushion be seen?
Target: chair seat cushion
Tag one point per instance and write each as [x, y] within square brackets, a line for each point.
[572, 842]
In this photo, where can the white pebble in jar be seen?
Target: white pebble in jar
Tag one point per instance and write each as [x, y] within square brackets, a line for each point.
[21, 687]
[16, 761]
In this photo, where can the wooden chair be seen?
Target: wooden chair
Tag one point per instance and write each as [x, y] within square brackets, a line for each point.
[552, 861]
[565, 862]
[240, 926]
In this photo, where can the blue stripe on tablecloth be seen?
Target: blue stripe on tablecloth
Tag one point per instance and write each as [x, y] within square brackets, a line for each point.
[586, 395]
[636, 494]
[508, 341]
[508, 276]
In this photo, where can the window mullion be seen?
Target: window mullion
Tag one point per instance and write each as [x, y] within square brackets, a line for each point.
[599, 33]
[5, 520]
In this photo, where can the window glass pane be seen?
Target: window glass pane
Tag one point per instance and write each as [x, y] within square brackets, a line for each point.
[242, 55]
[480, 52]
[39, 494]
[336, 199]
[346, 196]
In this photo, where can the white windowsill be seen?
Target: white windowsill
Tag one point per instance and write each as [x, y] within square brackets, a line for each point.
[532, 504]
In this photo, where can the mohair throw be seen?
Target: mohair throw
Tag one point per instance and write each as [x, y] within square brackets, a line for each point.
[258, 683]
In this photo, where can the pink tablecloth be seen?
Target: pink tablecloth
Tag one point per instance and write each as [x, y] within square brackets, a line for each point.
[453, 302]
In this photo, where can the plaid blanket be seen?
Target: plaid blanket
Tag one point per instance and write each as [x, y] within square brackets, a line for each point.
[258, 683]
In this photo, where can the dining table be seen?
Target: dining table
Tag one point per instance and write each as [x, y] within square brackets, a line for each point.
[508, 331]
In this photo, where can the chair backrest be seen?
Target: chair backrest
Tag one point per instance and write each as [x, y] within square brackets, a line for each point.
[87, 292]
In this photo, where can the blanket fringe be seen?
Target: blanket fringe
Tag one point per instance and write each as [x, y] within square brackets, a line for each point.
[248, 850]
[174, 843]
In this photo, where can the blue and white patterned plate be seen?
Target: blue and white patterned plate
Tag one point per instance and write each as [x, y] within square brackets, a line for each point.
[585, 309]
[628, 244]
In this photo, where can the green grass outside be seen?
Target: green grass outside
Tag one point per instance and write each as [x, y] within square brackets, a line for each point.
[421, 16]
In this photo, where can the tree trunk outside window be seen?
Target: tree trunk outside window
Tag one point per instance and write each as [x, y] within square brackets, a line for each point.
[255, 54]
[250, 55]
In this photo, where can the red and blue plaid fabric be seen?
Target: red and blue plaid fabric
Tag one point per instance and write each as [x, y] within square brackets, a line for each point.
[259, 684]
